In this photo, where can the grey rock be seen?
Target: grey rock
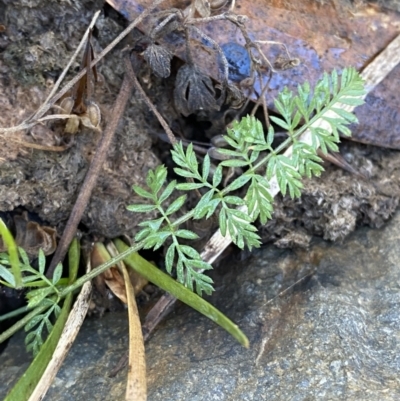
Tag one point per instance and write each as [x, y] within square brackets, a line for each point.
[333, 335]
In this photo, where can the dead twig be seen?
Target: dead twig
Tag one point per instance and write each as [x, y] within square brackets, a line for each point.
[93, 172]
[71, 329]
[138, 87]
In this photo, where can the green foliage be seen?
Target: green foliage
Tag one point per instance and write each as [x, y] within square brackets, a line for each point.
[155, 232]
[35, 327]
[47, 296]
[164, 281]
[324, 112]
[8, 240]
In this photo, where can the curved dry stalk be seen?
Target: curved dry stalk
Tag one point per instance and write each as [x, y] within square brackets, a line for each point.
[40, 147]
[136, 386]
[217, 48]
[138, 87]
[71, 329]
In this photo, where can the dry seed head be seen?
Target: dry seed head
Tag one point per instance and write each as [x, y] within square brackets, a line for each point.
[66, 105]
[72, 125]
[94, 114]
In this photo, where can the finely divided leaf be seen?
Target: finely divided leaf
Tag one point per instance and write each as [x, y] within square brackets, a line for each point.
[187, 234]
[142, 193]
[167, 191]
[7, 276]
[176, 205]
[41, 261]
[188, 186]
[141, 208]
[169, 258]
[57, 274]
[206, 167]
[217, 177]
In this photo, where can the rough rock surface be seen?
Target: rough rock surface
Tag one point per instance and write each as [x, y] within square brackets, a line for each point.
[332, 336]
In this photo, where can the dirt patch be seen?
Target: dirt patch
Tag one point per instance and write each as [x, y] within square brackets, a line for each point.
[41, 39]
[37, 43]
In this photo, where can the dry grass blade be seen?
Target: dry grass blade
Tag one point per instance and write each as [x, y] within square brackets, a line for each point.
[136, 386]
[71, 329]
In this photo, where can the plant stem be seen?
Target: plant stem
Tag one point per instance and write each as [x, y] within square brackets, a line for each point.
[21, 323]
[149, 103]
[98, 270]
[92, 174]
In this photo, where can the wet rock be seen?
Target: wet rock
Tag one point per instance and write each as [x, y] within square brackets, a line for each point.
[332, 333]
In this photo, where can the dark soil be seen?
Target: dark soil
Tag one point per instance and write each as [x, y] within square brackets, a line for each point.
[37, 42]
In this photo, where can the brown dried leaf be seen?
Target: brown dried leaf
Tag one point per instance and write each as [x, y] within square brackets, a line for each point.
[322, 35]
[31, 236]
[194, 91]
[159, 60]
[116, 284]
[72, 125]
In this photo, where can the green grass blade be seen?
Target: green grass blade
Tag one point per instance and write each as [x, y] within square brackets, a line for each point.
[28, 381]
[13, 252]
[162, 280]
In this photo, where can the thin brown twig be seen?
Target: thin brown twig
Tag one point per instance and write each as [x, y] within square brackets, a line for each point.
[261, 99]
[138, 87]
[93, 172]
[40, 147]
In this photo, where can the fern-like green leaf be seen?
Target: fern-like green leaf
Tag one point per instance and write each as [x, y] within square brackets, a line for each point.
[167, 191]
[203, 206]
[186, 234]
[259, 199]
[176, 205]
[141, 208]
[142, 193]
[206, 167]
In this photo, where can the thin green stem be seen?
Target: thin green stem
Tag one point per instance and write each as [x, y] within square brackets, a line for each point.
[21, 323]
[14, 313]
[187, 216]
[95, 272]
